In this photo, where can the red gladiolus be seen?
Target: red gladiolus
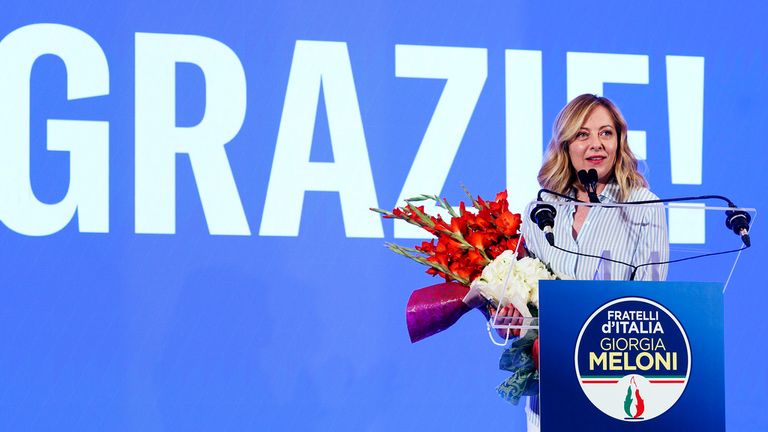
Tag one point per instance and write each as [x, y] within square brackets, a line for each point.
[427, 247]
[476, 239]
[509, 223]
[512, 244]
[459, 225]
[476, 259]
[441, 224]
[465, 243]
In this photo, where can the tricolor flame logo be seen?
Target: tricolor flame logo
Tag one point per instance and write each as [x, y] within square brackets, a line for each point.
[639, 402]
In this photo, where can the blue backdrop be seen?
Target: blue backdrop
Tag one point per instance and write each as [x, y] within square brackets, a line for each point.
[184, 192]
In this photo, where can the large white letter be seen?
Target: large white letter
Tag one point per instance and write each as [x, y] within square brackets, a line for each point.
[685, 99]
[86, 141]
[158, 139]
[524, 125]
[465, 71]
[587, 72]
[319, 64]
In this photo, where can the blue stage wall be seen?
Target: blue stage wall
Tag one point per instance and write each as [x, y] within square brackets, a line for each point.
[184, 188]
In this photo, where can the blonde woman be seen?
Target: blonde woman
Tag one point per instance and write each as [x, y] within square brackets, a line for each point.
[590, 132]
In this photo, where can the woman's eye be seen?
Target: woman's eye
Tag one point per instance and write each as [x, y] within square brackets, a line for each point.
[581, 135]
[607, 133]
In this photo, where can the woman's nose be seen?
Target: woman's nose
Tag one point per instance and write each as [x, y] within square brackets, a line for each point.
[594, 142]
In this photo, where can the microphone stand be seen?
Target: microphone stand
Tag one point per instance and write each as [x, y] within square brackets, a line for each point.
[736, 220]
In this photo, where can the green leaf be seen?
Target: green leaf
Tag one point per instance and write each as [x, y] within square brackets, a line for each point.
[421, 259]
[518, 359]
[448, 207]
[384, 212]
[475, 204]
[521, 383]
[421, 215]
[533, 309]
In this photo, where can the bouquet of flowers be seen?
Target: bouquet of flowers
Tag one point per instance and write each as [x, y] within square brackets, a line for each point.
[476, 252]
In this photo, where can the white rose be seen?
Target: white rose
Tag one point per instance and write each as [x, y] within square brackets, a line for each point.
[507, 280]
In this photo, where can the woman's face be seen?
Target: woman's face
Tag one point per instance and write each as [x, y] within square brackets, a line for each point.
[595, 145]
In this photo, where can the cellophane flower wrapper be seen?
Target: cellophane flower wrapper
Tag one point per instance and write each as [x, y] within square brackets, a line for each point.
[433, 309]
[518, 359]
[512, 280]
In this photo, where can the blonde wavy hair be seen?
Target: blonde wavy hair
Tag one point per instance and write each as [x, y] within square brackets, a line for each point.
[557, 172]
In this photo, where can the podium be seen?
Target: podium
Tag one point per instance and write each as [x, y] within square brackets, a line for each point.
[641, 355]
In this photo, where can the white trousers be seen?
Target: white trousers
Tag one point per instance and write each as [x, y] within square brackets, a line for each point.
[532, 417]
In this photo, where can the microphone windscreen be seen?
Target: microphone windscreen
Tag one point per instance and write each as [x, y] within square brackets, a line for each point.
[583, 176]
[592, 175]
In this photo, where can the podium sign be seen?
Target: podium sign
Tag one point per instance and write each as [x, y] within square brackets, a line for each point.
[639, 356]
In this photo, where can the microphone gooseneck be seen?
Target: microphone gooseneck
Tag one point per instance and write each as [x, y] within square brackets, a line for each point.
[588, 179]
[543, 215]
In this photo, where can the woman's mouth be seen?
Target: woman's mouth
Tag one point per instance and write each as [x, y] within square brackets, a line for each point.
[595, 160]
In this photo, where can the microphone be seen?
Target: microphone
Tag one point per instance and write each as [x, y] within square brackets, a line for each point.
[738, 221]
[588, 179]
[543, 215]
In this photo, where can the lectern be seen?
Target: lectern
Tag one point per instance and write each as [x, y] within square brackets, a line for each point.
[634, 355]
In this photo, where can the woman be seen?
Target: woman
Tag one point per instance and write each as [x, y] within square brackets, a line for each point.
[590, 132]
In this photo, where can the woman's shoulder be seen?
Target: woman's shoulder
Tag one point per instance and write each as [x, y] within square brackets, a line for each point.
[652, 212]
[641, 194]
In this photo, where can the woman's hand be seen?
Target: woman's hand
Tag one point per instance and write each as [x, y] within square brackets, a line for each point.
[508, 315]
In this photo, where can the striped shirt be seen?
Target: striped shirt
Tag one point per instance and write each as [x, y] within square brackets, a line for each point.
[634, 235]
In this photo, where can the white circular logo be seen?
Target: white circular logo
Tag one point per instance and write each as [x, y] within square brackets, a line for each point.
[633, 359]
